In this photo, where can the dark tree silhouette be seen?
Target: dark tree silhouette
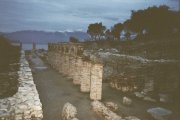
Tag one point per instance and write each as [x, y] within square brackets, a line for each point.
[127, 35]
[108, 34]
[156, 21]
[116, 30]
[96, 31]
[73, 39]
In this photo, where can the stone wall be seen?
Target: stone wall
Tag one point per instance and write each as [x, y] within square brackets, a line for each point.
[25, 104]
[67, 58]
[104, 112]
[133, 73]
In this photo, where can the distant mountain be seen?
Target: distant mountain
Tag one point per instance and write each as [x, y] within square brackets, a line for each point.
[1, 33]
[44, 37]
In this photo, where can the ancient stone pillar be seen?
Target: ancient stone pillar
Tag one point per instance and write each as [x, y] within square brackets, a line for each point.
[60, 63]
[56, 61]
[96, 81]
[66, 65]
[77, 72]
[71, 66]
[86, 76]
[63, 63]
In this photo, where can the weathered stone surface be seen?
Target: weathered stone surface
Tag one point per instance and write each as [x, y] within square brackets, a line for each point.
[147, 98]
[86, 77]
[69, 112]
[139, 95]
[127, 101]
[123, 82]
[96, 82]
[78, 71]
[73, 65]
[164, 98]
[131, 118]
[25, 103]
[104, 112]
[112, 106]
[160, 113]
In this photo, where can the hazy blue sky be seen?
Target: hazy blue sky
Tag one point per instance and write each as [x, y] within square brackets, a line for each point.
[67, 15]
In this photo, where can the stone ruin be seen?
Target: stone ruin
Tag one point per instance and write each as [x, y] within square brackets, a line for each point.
[69, 112]
[68, 59]
[25, 104]
[107, 114]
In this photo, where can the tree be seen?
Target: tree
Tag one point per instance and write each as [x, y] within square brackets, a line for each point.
[156, 21]
[127, 35]
[96, 31]
[116, 30]
[73, 39]
[108, 35]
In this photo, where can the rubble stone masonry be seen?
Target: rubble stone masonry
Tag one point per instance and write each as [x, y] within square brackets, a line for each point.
[25, 104]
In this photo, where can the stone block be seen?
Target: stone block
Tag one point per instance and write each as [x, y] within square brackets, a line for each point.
[96, 82]
[160, 113]
[86, 77]
[112, 106]
[127, 101]
[104, 112]
[69, 112]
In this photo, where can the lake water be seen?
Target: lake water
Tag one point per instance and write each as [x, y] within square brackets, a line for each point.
[38, 46]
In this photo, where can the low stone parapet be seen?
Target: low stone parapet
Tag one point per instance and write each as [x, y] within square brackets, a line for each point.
[25, 104]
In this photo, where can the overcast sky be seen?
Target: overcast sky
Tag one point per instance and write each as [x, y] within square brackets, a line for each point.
[68, 15]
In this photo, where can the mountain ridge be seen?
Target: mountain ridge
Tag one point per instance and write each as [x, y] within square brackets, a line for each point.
[44, 37]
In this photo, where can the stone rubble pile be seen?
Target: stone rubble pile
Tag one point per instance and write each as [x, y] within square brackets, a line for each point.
[124, 83]
[25, 104]
[69, 112]
[107, 114]
[104, 112]
[144, 96]
[112, 106]
[127, 101]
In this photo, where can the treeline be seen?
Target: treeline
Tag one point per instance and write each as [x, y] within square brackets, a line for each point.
[154, 22]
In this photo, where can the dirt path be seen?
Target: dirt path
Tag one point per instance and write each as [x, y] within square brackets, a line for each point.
[55, 90]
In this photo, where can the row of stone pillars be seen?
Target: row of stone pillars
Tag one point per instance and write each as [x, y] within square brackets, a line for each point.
[84, 73]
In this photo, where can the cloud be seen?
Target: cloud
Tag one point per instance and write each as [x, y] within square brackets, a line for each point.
[59, 15]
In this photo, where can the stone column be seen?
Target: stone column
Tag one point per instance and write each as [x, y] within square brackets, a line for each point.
[86, 77]
[96, 82]
[56, 61]
[71, 66]
[74, 68]
[60, 63]
[63, 64]
[149, 86]
[77, 72]
[66, 65]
